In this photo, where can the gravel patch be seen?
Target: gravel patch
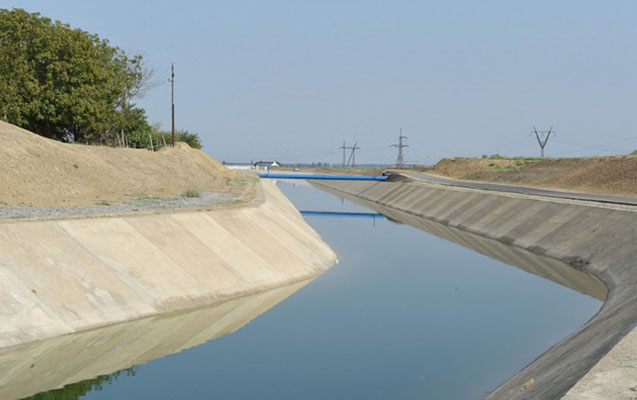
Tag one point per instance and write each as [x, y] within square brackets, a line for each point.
[183, 201]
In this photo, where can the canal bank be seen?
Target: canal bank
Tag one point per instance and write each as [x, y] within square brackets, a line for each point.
[86, 356]
[64, 276]
[596, 240]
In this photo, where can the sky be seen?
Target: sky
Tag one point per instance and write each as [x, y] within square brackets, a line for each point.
[292, 80]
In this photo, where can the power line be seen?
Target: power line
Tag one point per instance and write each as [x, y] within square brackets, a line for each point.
[585, 146]
[517, 142]
[545, 135]
[400, 161]
[608, 147]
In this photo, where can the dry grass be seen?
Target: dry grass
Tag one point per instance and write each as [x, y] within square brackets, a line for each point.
[616, 175]
[38, 171]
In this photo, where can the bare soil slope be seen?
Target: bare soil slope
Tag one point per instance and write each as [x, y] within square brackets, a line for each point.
[614, 175]
[43, 172]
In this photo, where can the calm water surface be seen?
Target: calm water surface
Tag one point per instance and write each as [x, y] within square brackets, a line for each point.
[404, 315]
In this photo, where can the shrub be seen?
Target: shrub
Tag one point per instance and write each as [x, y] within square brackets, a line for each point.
[191, 193]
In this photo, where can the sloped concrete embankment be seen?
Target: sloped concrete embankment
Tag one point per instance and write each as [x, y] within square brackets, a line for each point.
[54, 363]
[594, 239]
[63, 276]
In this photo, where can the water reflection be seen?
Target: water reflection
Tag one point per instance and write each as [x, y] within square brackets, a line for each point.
[79, 389]
[61, 362]
[336, 214]
[544, 266]
[405, 315]
[342, 214]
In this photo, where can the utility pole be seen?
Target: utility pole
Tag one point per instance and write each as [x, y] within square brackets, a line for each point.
[542, 138]
[400, 161]
[172, 103]
[352, 155]
[344, 148]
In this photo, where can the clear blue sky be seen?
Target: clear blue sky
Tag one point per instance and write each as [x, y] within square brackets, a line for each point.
[291, 80]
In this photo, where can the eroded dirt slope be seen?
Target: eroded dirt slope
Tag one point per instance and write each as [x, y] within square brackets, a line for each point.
[39, 171]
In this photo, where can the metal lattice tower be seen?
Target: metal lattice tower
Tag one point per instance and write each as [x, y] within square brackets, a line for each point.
[344, 148]
[400, 161]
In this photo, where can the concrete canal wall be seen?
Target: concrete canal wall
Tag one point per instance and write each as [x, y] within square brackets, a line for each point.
[593, 239]
[63, 276]
[54, 363]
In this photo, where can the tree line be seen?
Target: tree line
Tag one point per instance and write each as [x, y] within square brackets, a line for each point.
[73, 86]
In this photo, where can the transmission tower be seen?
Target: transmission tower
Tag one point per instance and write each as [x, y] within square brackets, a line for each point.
[400, 161]
[344, 148]
[542, 138]
[352, 155]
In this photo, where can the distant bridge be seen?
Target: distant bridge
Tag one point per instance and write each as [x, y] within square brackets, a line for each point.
[324, 177]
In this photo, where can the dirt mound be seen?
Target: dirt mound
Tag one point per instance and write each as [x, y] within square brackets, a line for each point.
[615, 175]
[463, 168]
[39, 171]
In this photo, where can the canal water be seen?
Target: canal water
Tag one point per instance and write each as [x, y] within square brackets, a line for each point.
[403, 315]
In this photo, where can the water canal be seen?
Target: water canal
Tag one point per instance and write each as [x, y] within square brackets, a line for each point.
[404, 315]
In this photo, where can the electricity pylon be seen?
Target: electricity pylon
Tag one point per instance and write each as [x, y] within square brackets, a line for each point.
[542, 138]
[400, 161]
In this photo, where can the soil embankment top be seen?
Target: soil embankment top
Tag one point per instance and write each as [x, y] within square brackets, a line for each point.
[37, 171]
[614, 175]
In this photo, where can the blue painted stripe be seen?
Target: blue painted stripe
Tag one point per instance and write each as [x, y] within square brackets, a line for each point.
[325, 177]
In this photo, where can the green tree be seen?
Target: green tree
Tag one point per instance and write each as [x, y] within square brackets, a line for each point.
[187, 137]
[160, 136]
[134, 122]
[65, 83]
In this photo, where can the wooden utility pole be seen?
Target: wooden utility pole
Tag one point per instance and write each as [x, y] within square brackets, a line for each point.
[172, 103]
